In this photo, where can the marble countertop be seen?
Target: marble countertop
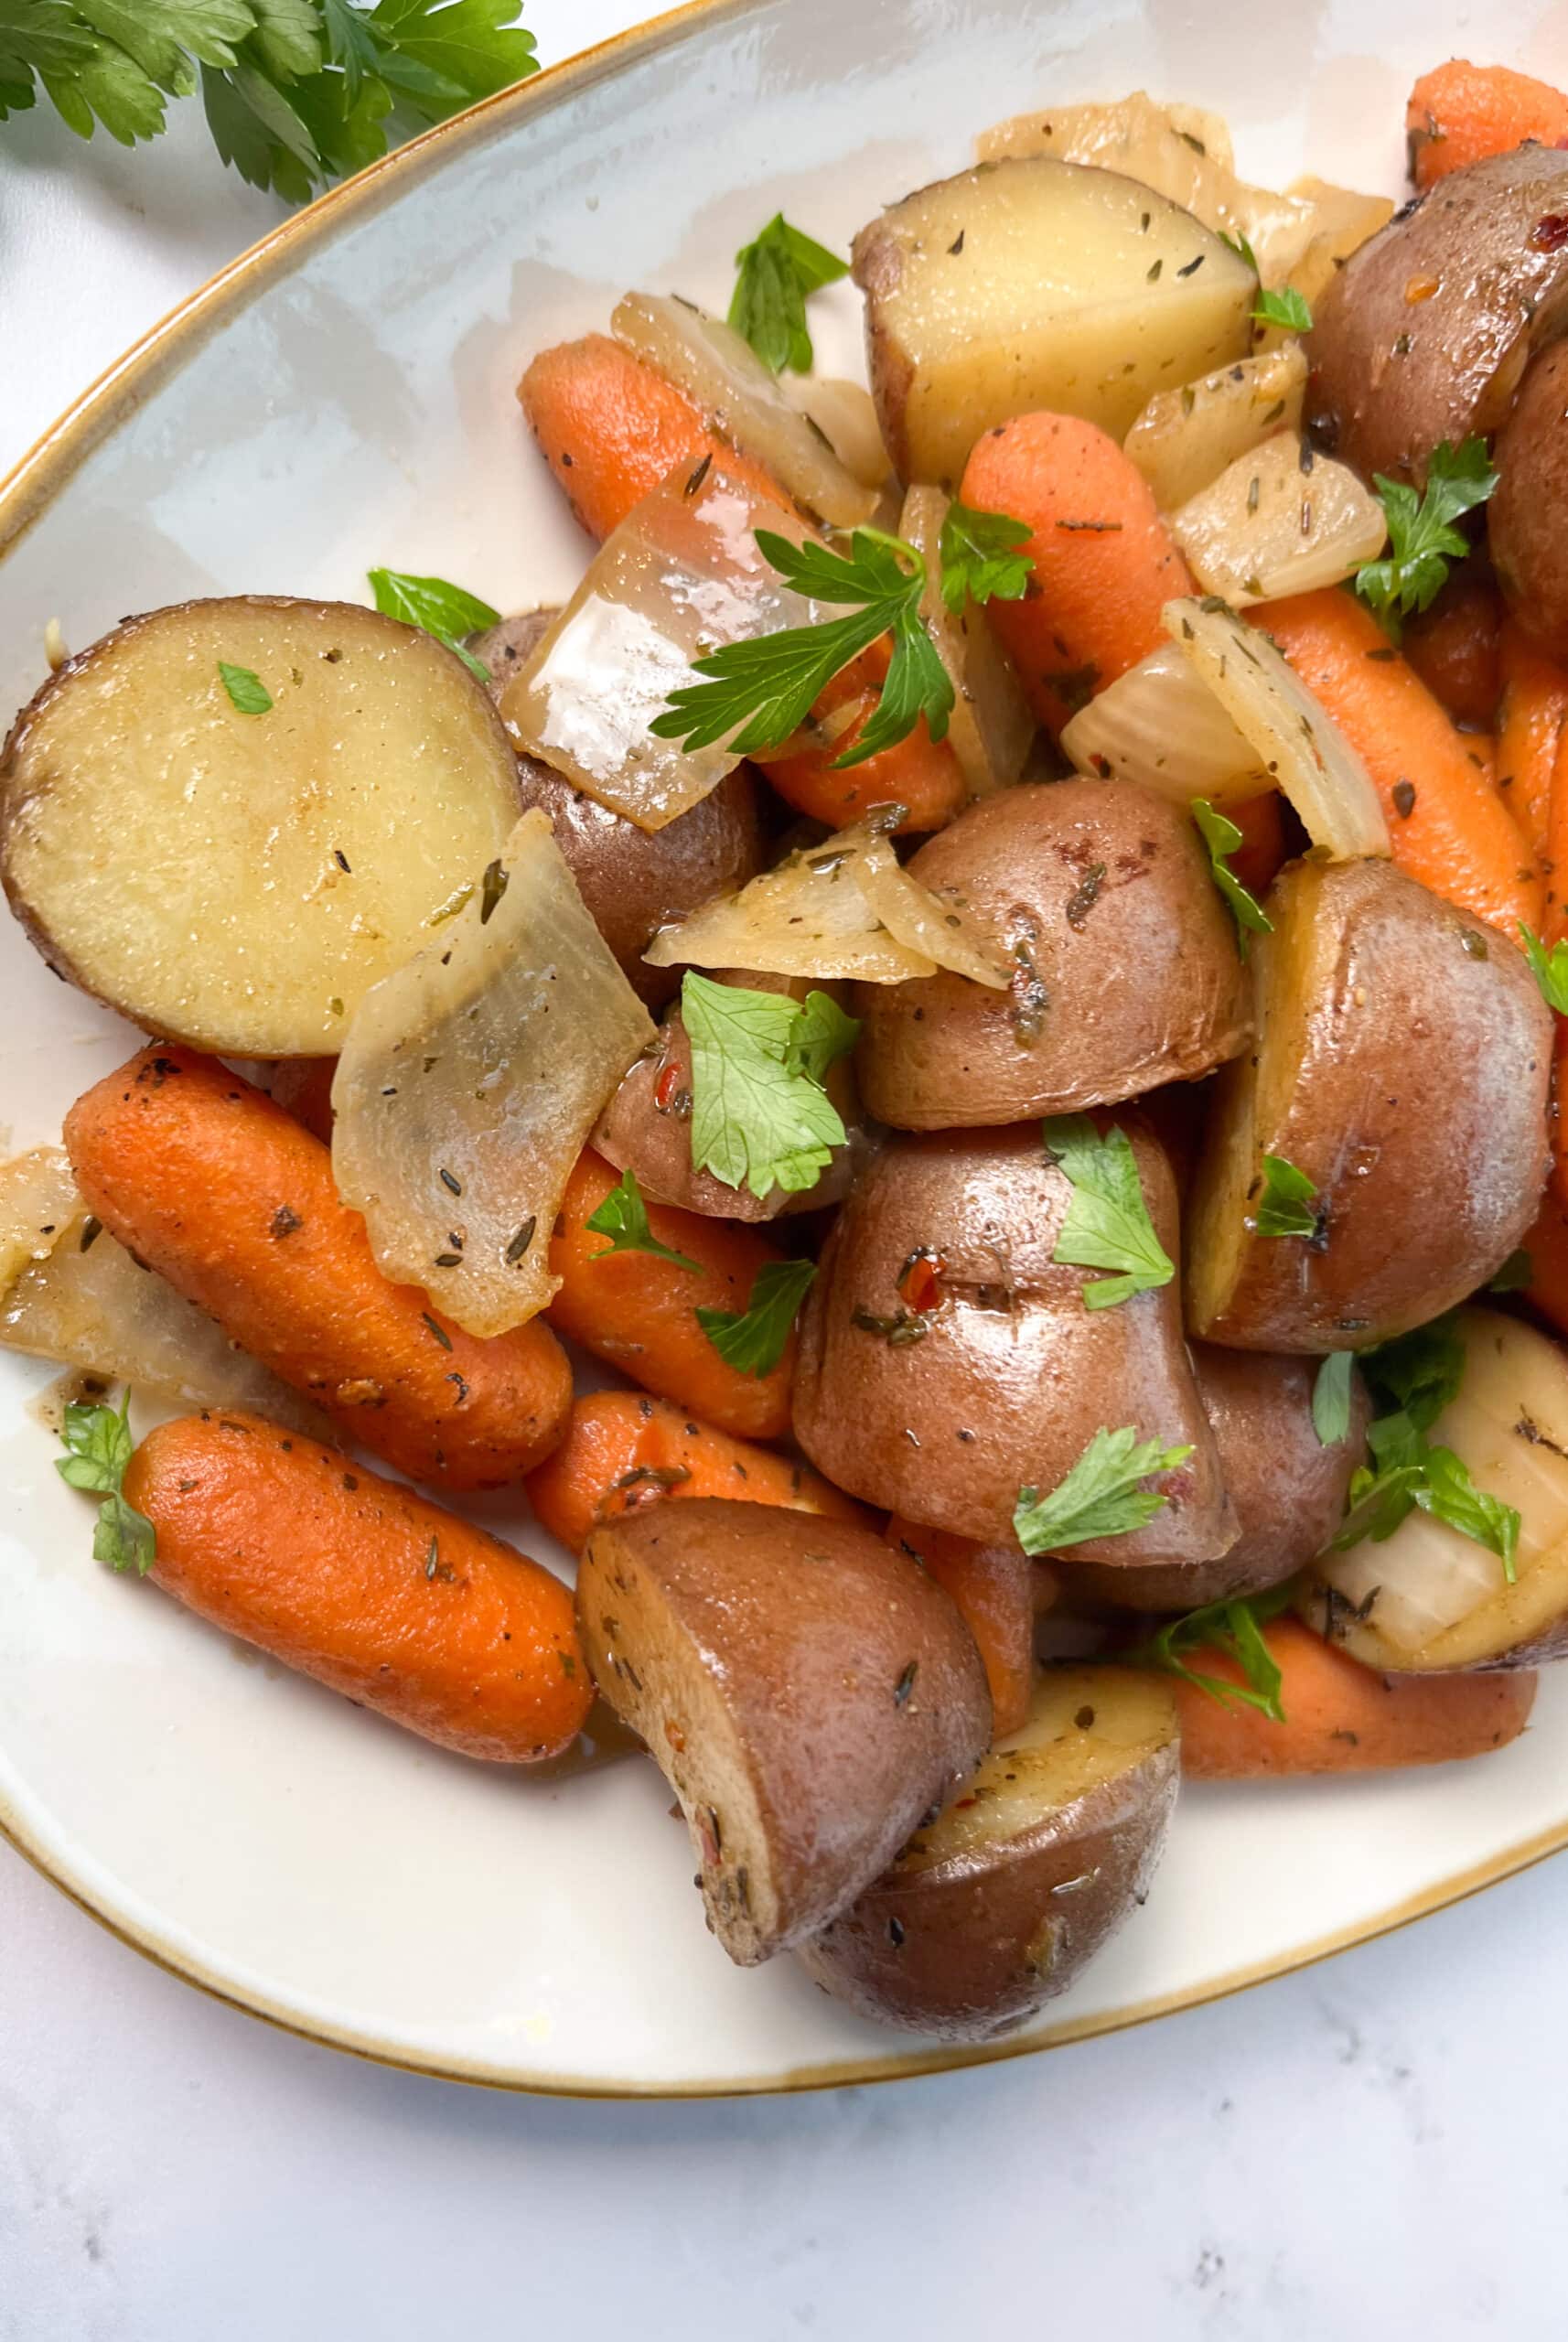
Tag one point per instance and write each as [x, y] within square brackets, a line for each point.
[1382, 2139]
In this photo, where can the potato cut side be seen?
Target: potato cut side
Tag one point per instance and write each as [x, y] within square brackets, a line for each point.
[806, 1689]
[1279, 520]
[1429, 1598]
[998, 1904]
[239, 881]
[1185, 438]
[1030, 285]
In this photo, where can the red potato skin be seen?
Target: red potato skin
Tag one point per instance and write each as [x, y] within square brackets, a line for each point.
[208, 1181]
[357, 1582]
[1529, 506]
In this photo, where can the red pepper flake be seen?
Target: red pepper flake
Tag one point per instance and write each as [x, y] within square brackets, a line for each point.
[1550, 233]
[665, 1088]
[918, 1285]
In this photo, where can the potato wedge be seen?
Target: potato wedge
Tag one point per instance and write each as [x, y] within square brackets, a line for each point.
[1429, 1599]
[1401, 1065]
[1034, 284]
[1423, 334]
[240, 881]
[997, 1905]
[1001, 1380]
[1128, 973]
[1524, 516]
[806, 1689]
[1185, 438]
[1286, 1489]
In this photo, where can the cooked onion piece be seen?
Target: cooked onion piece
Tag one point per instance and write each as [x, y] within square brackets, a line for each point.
[1279, 520]
[1185, 438]
[841, 908]
[1159, 146]
[682, 575]
[724, 376]
[237, 879]
[1431, 1598]
[845, 414]
[991, 728]
[1160, 724]
[70, 1293]
[1299, 745]
[1342, 222]
[469, 1079]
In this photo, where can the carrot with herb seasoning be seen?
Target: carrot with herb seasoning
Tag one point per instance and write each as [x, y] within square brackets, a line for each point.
[1461, 112]
[1446, 824]
[624, 1450]
[1105, 562]
[357, 1582]
[998, 1592]
[208, 1181]
[1532, 708]
[638, 1312]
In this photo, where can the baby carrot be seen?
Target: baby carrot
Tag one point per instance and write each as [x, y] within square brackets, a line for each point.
[1256, 861]
[639, 1313]
[1446, 824]
[993, 1588]
[364, 1586]
[1342, 1717]
[1547, 1245]
[623, 1450]
[1461, 112]
[1105, 564]
[611, 429]
[1530, 714]
[221, 1191]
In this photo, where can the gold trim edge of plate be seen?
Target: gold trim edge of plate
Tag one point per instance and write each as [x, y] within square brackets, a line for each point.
[26, 493]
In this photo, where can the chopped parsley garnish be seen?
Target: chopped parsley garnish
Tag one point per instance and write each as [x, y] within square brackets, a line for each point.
[1331, 1398]
[753, 1341]
[1288, 1205]
[760, 1117]
[980, 557]
[623, 1218]
[436, 608]
[778, 271]
[1222, 838]
[99, 1446]
[1423, 539]
[1549, 969]
[1234, 1628]
[1101, 1496]
[245, 689]
[1107, 1224]
[1282, 307]
[757, 692]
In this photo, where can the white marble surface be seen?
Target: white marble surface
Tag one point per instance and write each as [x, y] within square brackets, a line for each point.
[1380, 2142]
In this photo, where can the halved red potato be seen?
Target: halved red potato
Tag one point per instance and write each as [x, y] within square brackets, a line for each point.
[999, 1903]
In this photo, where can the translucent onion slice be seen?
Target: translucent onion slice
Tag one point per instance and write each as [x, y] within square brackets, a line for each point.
[724, 376]
[841, 908]
[1161, 726]
[1266, 527]
[1298, 744]
[991, 728]
[1183, 439]
[1433, 1597]
[1342, 220]
[682, 575]
[70, 1293]
[1161, 148]
[845, 414]
[470, 1078]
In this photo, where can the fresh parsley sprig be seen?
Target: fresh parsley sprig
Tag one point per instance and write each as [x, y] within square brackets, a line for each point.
[759, 691]
[1549, 969]
[1288, 1205]
[98, 1448]
[1233, 1628]
[1107, 1224]
[753, 1341]
[980, 557]
[1222, 838]
[777, 272]
[296, 92]
[1282, 305]
[623, 1218]
[1102, 1496]
[760, 1117]
[1423, 539]
[436, 608]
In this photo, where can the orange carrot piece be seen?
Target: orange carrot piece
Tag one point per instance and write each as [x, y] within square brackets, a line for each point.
[993, 1588]
[1556, 930]
[1257, 860]
[624, 1451]
[1446, 824]
[1455, 646]
[303, 1086]
[364, 1586]
[1547, 1244]
[1105, 563]
[1532, 707]
[637, 1312]
[1342, 1717]
[611, 430]
[1461, 112]
[221, 1191]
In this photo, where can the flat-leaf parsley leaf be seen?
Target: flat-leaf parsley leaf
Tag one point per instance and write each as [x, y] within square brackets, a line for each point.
[1422, 536]
[1222, 837]
[980, 557]
[752, 1341]
[778, 271]
[98, 1447]
[436, 608]
[623, 1218]
[1101, 1496]
[760, 1117]
[1107, 1224]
